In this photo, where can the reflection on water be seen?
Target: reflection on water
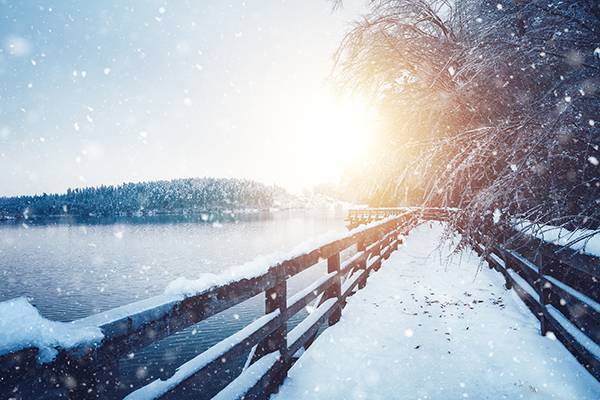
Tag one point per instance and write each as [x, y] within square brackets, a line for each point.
[74, 270]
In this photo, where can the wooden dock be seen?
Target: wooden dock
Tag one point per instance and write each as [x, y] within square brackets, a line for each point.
[147, 322]
[559, 285]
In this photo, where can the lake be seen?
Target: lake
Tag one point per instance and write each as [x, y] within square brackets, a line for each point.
[69, 271]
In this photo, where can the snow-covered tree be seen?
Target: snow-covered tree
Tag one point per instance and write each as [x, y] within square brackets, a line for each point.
[179, 196]
[489, 105]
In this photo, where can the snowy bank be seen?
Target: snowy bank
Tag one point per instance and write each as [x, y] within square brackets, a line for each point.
[22, 327]
[583, 240]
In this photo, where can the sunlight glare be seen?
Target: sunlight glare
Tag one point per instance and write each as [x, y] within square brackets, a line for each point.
[330, 133]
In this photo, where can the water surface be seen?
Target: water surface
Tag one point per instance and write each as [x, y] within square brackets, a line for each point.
[73, 270]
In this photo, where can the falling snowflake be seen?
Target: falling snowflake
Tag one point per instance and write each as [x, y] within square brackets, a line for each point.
[496, 216]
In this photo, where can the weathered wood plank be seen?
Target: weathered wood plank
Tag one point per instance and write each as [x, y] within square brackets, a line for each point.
[574, 259]
[530, 301]
[266, 385]
[524, 269]
[581, 353]
[305, 296]
[584, 315]
[353, 262]
[334, 291]
[305, 330]
[213, 360]
[351, 283]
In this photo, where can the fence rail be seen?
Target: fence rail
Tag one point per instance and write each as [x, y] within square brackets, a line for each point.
[271, 345]
[359, 216]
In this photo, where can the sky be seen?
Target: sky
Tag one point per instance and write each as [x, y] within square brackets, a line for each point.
[118, 91]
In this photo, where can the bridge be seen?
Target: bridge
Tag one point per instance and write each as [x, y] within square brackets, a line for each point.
[558, 285]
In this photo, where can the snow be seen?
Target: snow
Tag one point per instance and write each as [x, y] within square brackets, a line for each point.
[584, 240]
[580, 296]
[247, 379]
[522, 283]
[160, 387]
[431, 327]
[22, 326]
[581, 337]
[304, 292]
[309, 321]
[140, 312]
[351, 280]
[496, 216]
[261, 264]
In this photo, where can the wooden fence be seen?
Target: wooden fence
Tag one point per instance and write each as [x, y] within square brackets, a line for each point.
[559, 285]
[359, 216]
[86, 372]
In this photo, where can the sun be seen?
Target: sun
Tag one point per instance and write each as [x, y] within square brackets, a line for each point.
[336, 133]
[313, 135]
[342, 124]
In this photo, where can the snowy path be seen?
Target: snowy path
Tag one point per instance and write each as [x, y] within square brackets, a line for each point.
[428, 328]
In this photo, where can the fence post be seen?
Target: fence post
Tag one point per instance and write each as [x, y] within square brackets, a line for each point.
[543, 292]
[363, 265]
[335, 290]
[276, 299]
[81, 381]
[378, 254]
[395, 240]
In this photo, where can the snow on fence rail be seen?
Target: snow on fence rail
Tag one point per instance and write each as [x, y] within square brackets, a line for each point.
[81, 371]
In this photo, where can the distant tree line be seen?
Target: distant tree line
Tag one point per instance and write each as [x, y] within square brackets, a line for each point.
[178, 196]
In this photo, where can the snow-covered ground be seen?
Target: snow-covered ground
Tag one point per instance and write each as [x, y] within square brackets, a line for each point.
[428, 327]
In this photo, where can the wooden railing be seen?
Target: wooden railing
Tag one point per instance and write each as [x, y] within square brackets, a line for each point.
[359, 216]
[272, 347]
[559, 285]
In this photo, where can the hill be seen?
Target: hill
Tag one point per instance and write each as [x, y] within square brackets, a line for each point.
[174, 197]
